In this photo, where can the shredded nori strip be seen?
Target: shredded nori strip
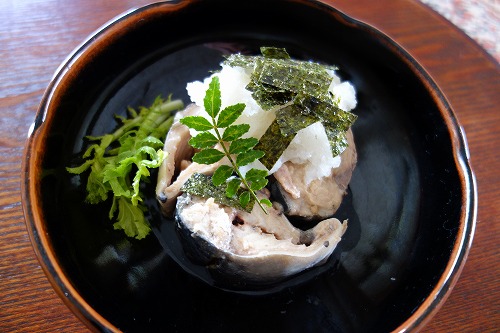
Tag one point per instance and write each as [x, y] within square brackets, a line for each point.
[240, 60]
[202, 186]
[328, 113]
[302, 89]
[291, 119]
[337, 140]
[268, 96]
[273, 143]
[274, 52]
[292, 75]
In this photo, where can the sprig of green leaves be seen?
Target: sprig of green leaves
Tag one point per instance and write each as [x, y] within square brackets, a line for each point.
[220, 129]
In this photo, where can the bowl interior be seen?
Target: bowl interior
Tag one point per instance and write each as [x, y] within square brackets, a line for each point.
[405, 200]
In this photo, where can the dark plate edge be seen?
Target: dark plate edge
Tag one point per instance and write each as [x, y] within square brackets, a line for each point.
[463, 243]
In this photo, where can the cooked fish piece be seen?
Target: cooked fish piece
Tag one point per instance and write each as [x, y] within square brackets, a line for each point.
[321, 197]
[255, 247]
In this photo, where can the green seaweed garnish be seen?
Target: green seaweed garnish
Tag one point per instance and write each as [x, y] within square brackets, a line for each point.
[274, 143]
[292, 119]
[274, 52]
[292, 76]
[335, 120]
[203, 186]
[299, 90]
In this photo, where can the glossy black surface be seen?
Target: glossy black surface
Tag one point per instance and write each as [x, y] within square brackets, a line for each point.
[404, 200]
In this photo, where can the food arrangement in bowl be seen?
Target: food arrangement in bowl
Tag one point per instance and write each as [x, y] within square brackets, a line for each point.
[218, 153]
[254, 171]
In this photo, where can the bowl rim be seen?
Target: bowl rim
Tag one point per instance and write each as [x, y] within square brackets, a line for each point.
[40, 238]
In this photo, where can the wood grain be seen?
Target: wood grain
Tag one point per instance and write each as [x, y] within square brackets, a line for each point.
[36, 36]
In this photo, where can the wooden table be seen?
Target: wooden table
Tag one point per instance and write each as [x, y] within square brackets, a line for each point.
[36, 36]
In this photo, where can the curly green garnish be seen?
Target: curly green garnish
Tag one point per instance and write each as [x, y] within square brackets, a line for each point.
[120, 161]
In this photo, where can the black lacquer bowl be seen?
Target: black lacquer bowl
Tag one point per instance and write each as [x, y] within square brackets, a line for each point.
[411, 202]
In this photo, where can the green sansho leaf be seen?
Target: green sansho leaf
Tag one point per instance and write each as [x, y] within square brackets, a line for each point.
[234, 132]
[208, 156]
[256, 178]
[237, 150]
[245, 199]
[266, 202]
[248, 157]
[198, 123]
[232, 187]
[222, 174]
[229, 115]
[203, 140]
[212, 100]
[239, 146]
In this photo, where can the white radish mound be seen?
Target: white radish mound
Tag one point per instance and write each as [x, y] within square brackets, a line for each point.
[310, 145]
